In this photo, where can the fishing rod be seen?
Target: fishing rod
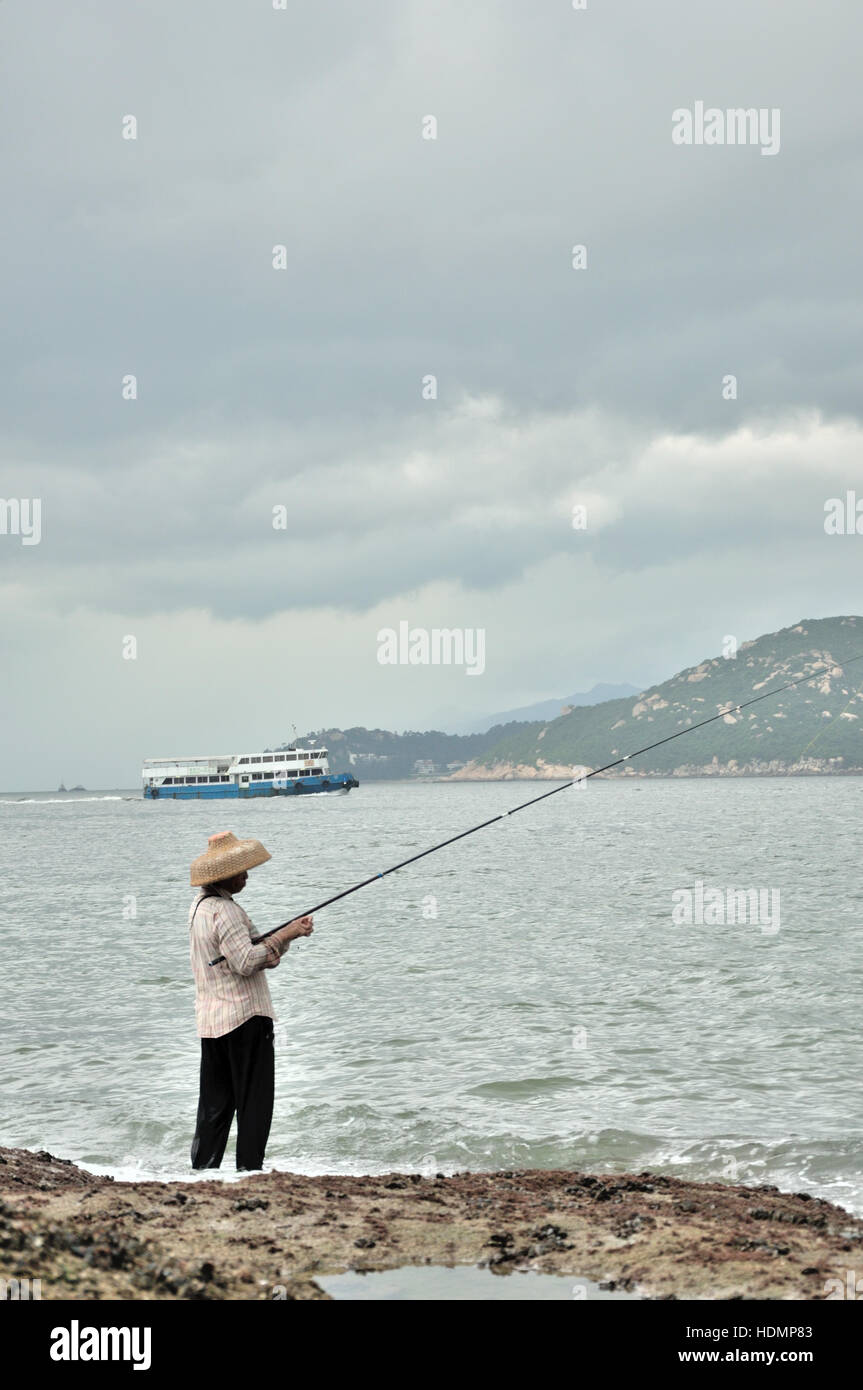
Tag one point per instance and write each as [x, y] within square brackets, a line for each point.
[575, 781]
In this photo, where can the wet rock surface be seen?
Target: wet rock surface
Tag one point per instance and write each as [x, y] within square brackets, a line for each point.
[267, 1236]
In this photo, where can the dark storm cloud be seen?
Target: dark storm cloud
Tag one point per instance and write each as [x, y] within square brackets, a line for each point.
[303, 128]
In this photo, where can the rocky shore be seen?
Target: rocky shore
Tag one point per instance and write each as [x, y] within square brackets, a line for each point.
[269, 1236]
[563, 772]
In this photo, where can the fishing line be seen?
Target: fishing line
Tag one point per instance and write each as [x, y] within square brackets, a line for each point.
[575, 781]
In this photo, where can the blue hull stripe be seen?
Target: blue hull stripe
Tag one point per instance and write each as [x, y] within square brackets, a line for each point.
[220, 791]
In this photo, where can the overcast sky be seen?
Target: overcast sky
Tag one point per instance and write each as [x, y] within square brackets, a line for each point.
[407, 257]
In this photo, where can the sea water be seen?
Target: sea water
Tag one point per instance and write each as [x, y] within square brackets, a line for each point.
[524, 998]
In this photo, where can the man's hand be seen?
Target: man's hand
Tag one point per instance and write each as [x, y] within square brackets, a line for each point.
[302, 927]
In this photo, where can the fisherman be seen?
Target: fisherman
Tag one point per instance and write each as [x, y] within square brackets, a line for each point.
[233, 1009]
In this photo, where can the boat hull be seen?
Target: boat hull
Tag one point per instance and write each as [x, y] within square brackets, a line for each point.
[230, 791]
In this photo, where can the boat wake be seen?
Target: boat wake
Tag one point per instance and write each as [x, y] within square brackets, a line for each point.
[60, 800]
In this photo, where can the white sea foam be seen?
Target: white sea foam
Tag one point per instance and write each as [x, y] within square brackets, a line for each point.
[56, 800]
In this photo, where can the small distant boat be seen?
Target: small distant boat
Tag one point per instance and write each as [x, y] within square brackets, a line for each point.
[61, 788]
[288, 771]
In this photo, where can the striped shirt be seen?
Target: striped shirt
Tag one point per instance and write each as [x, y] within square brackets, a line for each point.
[228, 994]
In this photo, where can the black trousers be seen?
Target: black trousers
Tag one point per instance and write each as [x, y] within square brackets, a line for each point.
[237, 1073]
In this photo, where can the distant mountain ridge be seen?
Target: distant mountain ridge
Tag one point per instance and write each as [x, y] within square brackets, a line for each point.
[814, 729]
[382, 754]
[547, 709]
[378, 754]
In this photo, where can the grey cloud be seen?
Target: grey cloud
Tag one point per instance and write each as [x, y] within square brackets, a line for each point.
[406, 257]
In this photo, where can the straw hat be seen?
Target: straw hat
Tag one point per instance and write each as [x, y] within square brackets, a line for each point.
[226, 856]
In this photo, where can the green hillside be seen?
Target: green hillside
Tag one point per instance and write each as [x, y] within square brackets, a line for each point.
[814, 728]
[382, 754]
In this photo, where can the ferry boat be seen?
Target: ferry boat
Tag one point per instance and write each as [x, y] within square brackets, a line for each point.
[289, 771]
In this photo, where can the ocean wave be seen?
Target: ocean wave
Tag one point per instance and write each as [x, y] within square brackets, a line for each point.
[823, 1168]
